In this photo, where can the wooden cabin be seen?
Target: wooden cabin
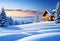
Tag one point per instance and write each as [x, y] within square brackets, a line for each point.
[47, 16]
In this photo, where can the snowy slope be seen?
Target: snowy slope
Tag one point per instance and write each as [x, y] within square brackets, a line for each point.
[25, 32]
[42, 30]
[43, 37]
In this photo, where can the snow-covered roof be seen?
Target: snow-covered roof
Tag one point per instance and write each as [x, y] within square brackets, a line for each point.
[54, 10]
[49, 12]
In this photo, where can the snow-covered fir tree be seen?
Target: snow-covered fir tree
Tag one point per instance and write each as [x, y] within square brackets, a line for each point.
[3, 21]
[10, 21]
[57, 13]
[37, 17]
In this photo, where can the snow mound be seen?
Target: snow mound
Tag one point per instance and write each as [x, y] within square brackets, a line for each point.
[43, 37]
[30, 32]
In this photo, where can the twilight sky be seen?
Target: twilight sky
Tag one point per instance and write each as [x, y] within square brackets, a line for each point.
[29, 4]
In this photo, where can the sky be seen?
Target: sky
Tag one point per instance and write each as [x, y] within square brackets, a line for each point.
[36, 5]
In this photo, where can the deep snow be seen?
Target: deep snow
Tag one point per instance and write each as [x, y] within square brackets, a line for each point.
[43, 37]
[21, 32]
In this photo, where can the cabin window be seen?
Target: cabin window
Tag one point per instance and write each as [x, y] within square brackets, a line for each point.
[49, 18]
[53, 18]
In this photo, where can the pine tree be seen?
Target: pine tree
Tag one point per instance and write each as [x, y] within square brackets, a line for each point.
[10, 21]
[3, 18]
[37, 17]
[57, 13]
